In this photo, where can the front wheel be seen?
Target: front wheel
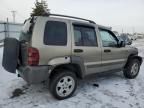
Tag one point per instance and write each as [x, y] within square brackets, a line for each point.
[132, 69]
[63, 84]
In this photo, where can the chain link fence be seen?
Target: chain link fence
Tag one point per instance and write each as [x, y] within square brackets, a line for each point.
[9, 30]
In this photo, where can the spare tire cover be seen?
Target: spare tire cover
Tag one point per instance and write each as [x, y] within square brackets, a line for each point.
[10, 54]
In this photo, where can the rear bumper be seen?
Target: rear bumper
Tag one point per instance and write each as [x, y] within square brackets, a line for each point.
[34, 74]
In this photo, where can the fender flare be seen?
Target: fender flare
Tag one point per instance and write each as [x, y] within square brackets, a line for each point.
[134, 57]
[79, 62]
[66, 62]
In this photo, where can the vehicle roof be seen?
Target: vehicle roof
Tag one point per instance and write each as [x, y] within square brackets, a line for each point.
[78, 20]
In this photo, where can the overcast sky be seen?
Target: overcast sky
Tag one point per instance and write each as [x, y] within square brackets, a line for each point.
[126, 14]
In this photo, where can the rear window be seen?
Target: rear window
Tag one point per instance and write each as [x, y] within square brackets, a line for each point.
[55, 33]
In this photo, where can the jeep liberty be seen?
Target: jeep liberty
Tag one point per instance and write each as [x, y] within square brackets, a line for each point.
[62, 48]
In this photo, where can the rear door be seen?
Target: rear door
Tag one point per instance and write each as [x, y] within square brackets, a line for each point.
[113, 57]
[85, 46]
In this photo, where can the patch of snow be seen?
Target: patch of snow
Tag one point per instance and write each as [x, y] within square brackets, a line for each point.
[114, 91]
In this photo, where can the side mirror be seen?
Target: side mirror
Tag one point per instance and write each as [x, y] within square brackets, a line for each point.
[121, 43]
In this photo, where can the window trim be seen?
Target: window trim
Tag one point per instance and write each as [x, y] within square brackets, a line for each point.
[66, 33]
[113, 35]
[85, 26]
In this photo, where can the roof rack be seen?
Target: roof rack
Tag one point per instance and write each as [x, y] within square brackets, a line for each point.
[72, 17]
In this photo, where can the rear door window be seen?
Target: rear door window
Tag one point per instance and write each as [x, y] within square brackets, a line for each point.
[55, 33]
[84, 36]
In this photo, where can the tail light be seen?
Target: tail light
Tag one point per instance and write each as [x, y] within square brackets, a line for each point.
[33, 56]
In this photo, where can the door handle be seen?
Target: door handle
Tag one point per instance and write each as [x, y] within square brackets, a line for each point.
[78, 50]
[107, 50]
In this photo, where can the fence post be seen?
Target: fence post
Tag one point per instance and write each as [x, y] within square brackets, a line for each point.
[7, 28]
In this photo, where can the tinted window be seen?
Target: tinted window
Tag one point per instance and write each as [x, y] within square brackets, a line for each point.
[77, 37]
[55, 33]
[107, 39]
[84, 36]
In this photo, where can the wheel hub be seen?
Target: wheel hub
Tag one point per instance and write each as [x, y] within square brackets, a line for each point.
[65, 86]
[134, 69]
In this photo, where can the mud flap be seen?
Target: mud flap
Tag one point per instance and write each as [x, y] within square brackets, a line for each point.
[10, 54]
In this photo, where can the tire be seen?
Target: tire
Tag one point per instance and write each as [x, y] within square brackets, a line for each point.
[63, 84]
[10, 54]
[129, 71]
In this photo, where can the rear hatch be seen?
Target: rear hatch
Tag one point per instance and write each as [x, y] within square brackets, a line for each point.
[15, 51]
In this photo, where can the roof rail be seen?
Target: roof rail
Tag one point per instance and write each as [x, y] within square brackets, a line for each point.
[72, 17]
[105, 27]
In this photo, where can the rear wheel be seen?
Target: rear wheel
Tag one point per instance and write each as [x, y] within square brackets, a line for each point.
[63, 84]
[132, 69]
